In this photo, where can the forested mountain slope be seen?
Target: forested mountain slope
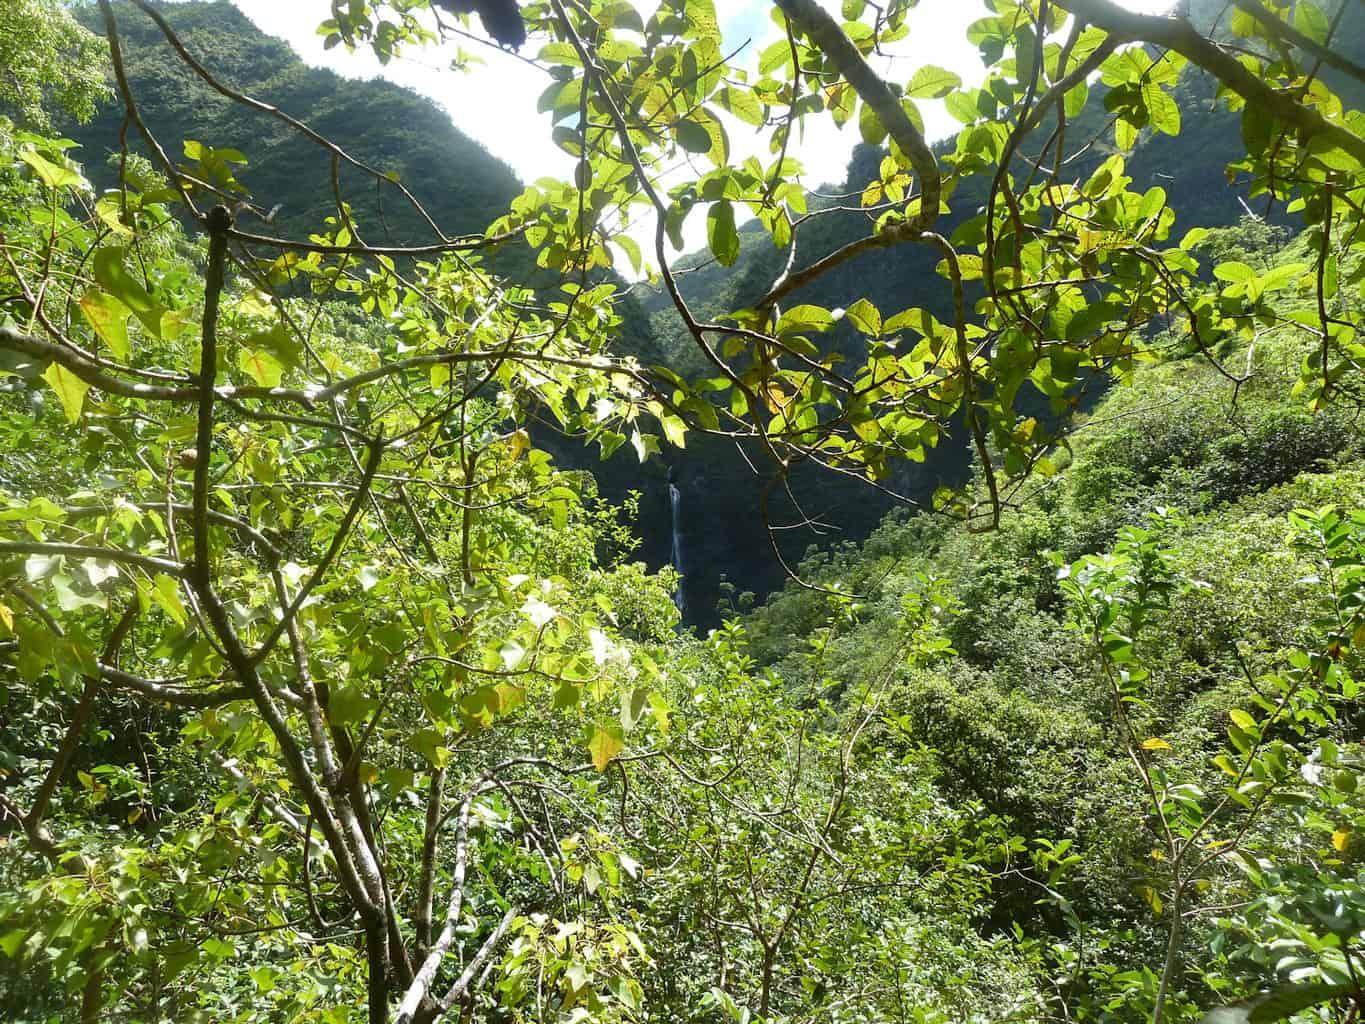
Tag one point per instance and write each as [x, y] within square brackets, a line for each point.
[724, 520]
[1178, 483]
[328, 693]
[460, 185]
[382, 124]
[1193, 166]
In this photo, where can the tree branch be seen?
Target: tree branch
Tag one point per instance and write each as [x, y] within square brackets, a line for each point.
[416, 995]
[218, 222]
[149, 562]
[461, 987]
[1286, 32]
[830, 39]
[1179, 35]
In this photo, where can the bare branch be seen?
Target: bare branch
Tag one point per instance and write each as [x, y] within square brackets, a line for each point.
[149, 562]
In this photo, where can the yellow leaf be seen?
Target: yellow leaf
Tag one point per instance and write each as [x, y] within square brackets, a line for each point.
[1152, 897]
[1341, 838]
[70, 389]
[166, 593]
[603, 745]
[659, 706]
[7, 617]
[109, 318]
[1155, 743]
[520, 441]
[510, 697]
[776, 398]
[262, 367]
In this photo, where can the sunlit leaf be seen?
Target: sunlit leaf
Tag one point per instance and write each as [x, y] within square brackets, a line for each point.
[604, 743]
[70, 389]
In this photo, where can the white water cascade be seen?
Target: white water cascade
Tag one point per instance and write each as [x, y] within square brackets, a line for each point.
[676, 554]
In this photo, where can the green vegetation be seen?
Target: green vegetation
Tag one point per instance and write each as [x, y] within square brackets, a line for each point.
[407, 136]
[329, 693]
[49, 63]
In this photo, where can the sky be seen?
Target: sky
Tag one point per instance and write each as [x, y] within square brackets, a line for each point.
[495, 102]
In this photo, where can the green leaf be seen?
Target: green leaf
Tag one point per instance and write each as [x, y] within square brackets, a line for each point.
[11, 941]
[1193, 237]
[962, 105]
[109, 209]
[1287, 1002]
[429, 743]
[350, 704]
[692, 136]
[629, 246]
[166, 593]
[776, 55]
[219, 949]
[932, 82]
[805, 318]
[279, 342]
[865, 316]
[969, 267]
[674, 430]
[1311, 21]
[743, 104]
[1075, 99]
[721, 236]
[1125, 135]
[115, 279]
[1282, 276]
[70, 389]
[659, 706]
[1234, 272]
[52, 175]
[1162, 110]
[870, 126]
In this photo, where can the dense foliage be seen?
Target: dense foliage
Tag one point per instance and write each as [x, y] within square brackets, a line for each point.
[326, 693]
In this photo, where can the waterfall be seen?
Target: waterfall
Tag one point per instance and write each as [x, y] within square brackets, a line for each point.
[676, 554]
